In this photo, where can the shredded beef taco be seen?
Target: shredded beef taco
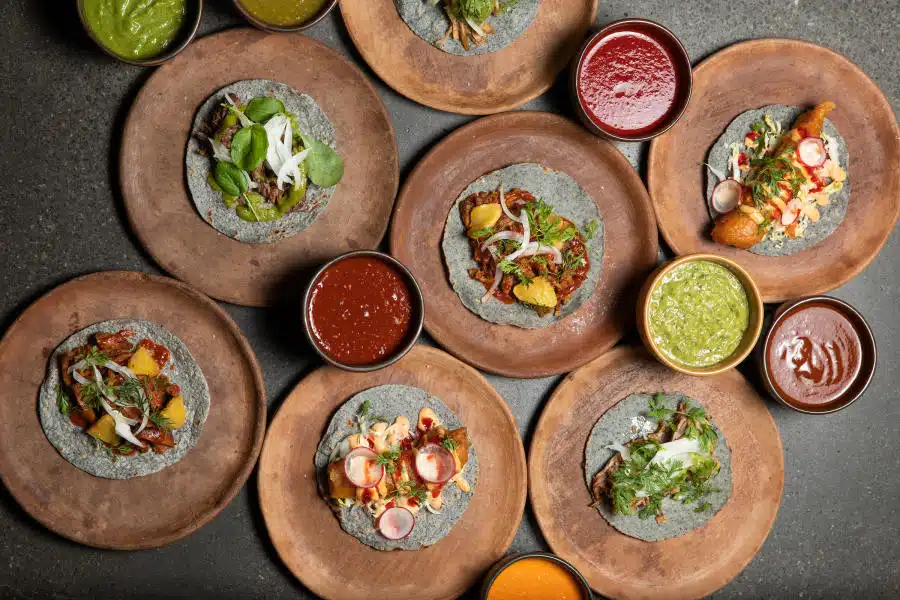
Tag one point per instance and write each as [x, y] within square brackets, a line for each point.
[506, 279]
[468, 27]
[262, 162]
[657, 466]
[123, 399]
[777, 180]
[397, 468]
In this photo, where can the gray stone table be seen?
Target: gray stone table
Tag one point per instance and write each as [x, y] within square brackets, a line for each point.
[63, 105]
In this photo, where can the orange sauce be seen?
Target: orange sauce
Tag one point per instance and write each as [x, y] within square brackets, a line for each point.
[535, 579]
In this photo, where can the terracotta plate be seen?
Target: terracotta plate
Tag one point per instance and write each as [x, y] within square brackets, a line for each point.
[146, 511]
[778, 71]
[475, 85]
[630, 246]
[618, 566]
[334, 564]
[152, 164]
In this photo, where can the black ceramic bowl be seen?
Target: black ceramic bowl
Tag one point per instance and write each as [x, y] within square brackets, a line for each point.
[867, 363]
[193, 14]
[682, 67]
[418, 306]
[502, 564]
[256, 22]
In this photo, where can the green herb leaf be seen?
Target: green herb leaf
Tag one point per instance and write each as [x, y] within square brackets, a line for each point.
[263, 108]
[590, 230]
[326, 167]
[513, 268]
[482, 233]
[231, 178]
[364, 409]
[476, 10]
[163, 423]
[62, 401]
[248, 147]
[449, 443]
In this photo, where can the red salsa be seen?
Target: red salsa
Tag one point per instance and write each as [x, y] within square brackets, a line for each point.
[360, 310]
[627, 82]
[814, 354]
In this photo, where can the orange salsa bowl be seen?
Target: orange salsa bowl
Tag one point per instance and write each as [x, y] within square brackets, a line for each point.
[535, 576]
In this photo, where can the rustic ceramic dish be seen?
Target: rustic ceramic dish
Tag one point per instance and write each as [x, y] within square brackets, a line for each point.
[476, 85]
[257, 22]
[779, 71]
[618, 566]
[193, 15]
[683, 69]
[157, 509]
[500, 566]
[867, 364]
[750, 335]
[418, 305]
[334, 564]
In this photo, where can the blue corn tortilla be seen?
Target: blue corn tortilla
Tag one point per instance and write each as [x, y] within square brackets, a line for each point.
[568, 201]
[831, 216]
[628, 420]
[79, 448]
[429, 22]
[389, 402]
[313, 122]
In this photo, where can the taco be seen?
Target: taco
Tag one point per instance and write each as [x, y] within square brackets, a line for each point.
[468, 27]
[262, 161]
[397, 468]
[657, 467]
[530, 285]
[777, 181]
[123, 399]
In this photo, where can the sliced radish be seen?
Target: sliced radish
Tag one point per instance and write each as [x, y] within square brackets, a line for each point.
[791, 212]
[435, 464]
[726, 195]
[362, 468]
[396, 523]
[811, 152]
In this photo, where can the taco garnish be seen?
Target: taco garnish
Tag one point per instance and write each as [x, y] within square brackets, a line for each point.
[116, 391]
[395, 469]
[778, 181]
[524, 251]
[469, 19]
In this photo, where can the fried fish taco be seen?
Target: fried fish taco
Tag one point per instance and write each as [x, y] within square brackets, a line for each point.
[776, 180]
[657, 466]
[505, 278]
[397, 468]
[123, 398]
[262, 161]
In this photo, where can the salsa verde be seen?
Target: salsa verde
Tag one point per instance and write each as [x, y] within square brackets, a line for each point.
[698, 313]
[135, 29]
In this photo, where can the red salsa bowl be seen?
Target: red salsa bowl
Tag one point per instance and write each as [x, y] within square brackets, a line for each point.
[363, 311]
[631, 81]
[818, 356]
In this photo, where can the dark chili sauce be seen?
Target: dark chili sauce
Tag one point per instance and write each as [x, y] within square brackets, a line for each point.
[360, 310]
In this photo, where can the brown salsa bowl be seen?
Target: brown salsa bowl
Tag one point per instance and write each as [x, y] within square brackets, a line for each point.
[867, 360]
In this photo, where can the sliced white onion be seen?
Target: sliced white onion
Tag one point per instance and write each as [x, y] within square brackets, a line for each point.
[621, 449]
[220, 152]
[245, 122]
[123, 430]
[498, 276]
[123, 371]
[506, 210]
[677, 450]
[502, 235]
[534, 249]
[274, 131]
[80, 378]
[289, 171]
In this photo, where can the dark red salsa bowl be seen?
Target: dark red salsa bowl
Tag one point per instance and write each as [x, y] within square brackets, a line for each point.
[363, 311]
[818, 356]
[631, 81]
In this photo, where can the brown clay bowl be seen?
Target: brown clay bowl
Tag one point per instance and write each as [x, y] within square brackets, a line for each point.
[256, 22]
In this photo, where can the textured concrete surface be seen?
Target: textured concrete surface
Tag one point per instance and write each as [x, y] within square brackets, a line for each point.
[63, 105]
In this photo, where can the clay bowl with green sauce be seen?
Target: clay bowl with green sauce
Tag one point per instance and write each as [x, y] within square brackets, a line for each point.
[700, 314]
[284, 15]
[176, 36]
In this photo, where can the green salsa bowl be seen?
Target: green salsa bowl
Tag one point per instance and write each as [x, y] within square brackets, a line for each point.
[284, 15]
[146, 39]
[700, 314]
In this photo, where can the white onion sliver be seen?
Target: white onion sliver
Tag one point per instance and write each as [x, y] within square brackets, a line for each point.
[220, 152]
[245, 122]
[143, 424]
[534, 248]
[274, 130]
[621, 449]
[498, 275]
[124, 371]
[289, 167]
[503, 235]
[123, 431]
[80, 378]
[506, 210]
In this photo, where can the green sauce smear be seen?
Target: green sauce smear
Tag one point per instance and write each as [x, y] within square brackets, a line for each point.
[698, 313]
[135, 29]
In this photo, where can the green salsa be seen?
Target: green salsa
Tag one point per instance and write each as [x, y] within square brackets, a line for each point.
[698, 313]
[283, 13]
[135, 29]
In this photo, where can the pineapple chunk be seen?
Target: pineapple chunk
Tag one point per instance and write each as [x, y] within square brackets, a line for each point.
[484, 215]
[175, 412]
[105, 430]
[538, 293]
[143, 363]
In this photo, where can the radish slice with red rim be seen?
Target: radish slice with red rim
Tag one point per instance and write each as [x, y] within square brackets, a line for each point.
[362, 468]
[726, 196]
[396, 523]
[435, 464]
[791, 212]
[811, 152]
